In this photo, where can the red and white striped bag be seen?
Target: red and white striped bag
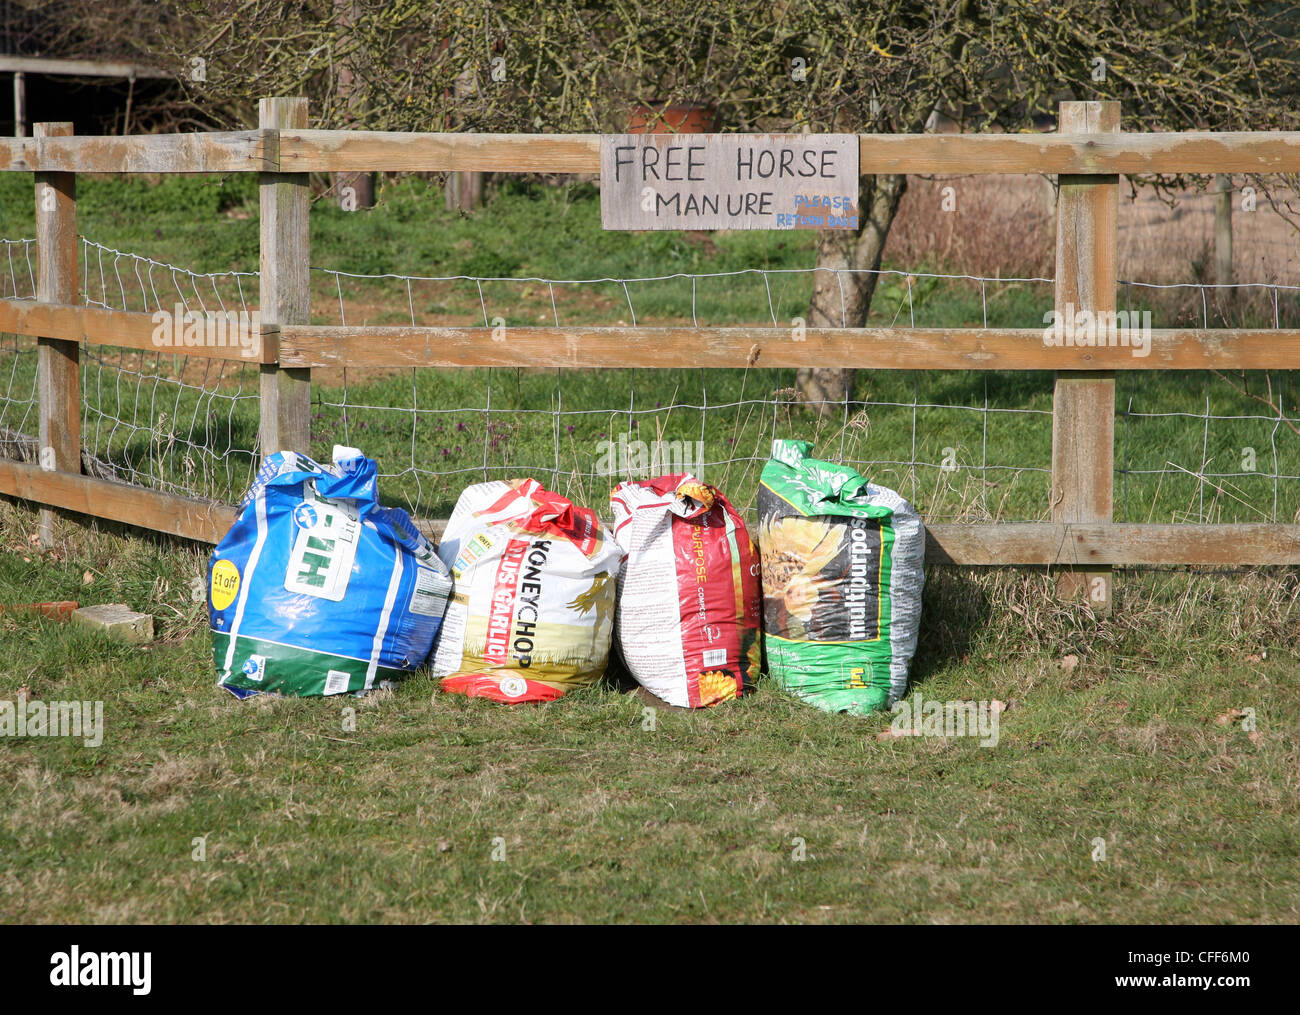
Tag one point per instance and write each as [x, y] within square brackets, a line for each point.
[689, 597]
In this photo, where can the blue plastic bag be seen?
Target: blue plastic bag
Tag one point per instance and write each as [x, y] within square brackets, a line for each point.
[317, 589]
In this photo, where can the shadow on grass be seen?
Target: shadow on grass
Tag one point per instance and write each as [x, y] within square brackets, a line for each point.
[956, 609]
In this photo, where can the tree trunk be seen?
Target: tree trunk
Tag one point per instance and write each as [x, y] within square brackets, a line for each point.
[842, 296]
[464, 189]
[355, 190]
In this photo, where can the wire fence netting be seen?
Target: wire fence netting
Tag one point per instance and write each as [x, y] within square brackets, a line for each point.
[1190, 446]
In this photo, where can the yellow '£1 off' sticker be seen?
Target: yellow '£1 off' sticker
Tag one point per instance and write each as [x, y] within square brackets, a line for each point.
[225, 584]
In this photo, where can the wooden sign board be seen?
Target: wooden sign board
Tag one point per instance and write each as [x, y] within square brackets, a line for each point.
[729, 181]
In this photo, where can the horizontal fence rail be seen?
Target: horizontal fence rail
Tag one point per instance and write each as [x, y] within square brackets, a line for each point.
[304, 345]
[205, 521]
[1081, 536]
[1189, 152]
[652, 347]
[337, 151]
[1034, 544]
[246, 151]
[134, 330]
[864, 348]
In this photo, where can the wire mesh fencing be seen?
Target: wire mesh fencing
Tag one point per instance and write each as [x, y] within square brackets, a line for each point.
[582, 431]
[181, 424]
[1209, 446]
[963, 445]
[18, 397]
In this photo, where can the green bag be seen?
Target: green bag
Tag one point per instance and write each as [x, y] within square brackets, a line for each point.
[843, 569]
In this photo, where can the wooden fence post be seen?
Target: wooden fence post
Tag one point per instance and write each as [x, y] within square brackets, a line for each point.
[285, 292]
[58, 368]
[1083, 405]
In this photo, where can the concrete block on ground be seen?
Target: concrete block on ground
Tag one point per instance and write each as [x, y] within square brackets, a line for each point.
[118, 620]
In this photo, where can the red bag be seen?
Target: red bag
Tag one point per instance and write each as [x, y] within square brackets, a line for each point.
[689, 603]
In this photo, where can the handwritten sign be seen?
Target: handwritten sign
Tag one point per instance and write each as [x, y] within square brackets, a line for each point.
[729, 181]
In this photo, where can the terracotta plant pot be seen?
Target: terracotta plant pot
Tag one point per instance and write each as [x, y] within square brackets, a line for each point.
[657, 118]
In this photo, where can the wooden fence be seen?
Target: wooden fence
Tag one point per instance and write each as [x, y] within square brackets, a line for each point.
[1089, 153]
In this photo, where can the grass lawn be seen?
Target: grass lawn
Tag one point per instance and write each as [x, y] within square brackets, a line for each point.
[1114, 732]
[1121, 728]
